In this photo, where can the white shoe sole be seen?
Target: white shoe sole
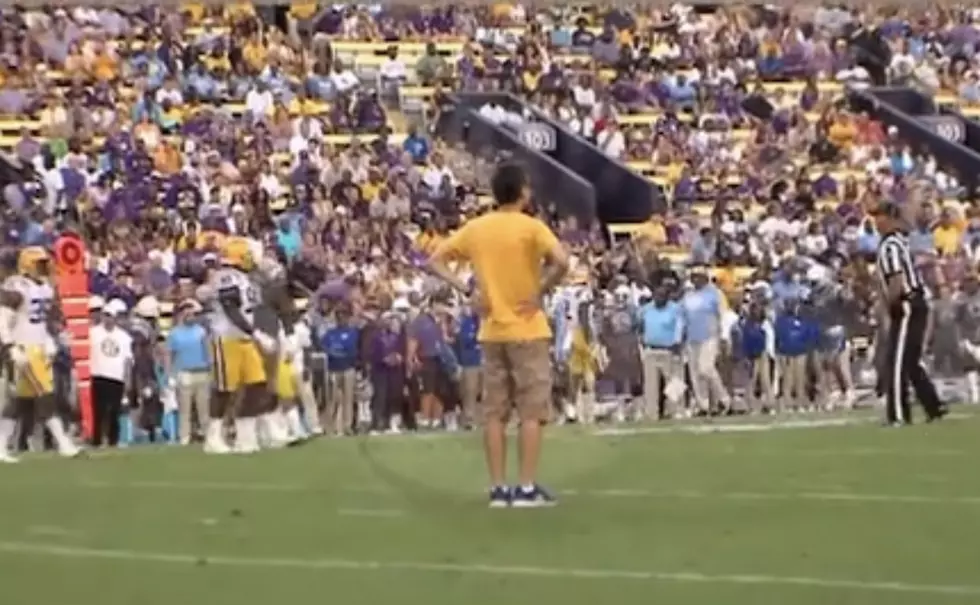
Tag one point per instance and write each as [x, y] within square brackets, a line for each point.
[532, 504]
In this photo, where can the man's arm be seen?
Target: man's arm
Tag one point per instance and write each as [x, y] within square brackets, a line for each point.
[11, 299]
[54, 318]
[681, 328]
[453, 248]
[230, 300]
[556, 259]
[128, 367]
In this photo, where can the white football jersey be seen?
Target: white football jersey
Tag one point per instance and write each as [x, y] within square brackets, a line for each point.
[228, 281]
[30, 319]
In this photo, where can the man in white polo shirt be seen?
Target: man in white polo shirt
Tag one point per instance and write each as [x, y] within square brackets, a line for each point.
[110, 360]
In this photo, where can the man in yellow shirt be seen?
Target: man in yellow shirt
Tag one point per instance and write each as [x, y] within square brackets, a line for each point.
[516, 259]
[298, 20]
[948, 236]
[842, 132]
[653, 232]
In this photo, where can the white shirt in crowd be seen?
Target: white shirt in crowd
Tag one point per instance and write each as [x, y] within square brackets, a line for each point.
[498, 115]
[270, 183]
[393, 69]
[584, 97]
[433, 176]
[583, 126]
[344, 81]
[772, 226]
[170, 94]
[259, 103]
[111, 354]
[308, 128]
[612, 141]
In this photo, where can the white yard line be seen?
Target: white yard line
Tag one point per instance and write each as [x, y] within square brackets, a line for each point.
[370, 512]
[479, 569]
[610, 493]
[729, 426]
[691, 426]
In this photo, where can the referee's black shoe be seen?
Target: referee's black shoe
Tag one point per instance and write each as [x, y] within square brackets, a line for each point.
[941, 412]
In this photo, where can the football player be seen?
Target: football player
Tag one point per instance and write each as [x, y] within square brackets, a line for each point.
[288, 377]
[31, 350]
[274, 316]
[238, 350]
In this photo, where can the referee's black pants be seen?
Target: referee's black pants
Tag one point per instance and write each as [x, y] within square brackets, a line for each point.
[107, 396]
[903, 365]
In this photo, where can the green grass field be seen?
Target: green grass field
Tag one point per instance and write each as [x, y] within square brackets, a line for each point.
[845, 514]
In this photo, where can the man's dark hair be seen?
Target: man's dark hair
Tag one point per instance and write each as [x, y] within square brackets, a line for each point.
[508, 182]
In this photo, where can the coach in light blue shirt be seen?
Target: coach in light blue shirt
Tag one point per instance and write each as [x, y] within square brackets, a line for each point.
[190, 364]
[702, 309]
[661, 322]
[188, 346]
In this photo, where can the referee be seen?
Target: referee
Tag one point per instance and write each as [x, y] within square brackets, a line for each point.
[905, 310]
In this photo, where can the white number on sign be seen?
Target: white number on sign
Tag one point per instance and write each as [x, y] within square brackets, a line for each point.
[947, 127]
[537, 136]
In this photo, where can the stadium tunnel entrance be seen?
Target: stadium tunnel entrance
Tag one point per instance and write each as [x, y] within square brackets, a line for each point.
[621, 195]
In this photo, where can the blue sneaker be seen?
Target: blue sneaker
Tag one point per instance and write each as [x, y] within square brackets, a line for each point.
[531, 497]
[500, 497]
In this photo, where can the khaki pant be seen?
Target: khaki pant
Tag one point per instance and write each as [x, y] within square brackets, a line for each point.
[660, 366]
[338, 417]
[307, 399]
[793, 387]
[517, 377]
[470, 390]
[834, 373]
[705, 379]
[193, 395]
[761, 376]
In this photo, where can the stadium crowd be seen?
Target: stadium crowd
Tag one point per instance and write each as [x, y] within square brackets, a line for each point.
[162, 136]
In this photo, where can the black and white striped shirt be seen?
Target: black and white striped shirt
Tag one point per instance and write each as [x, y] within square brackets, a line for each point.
[895, 258]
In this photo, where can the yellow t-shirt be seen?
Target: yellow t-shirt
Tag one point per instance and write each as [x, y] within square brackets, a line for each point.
[506, 249]
[673, 172]
[239, 9]
[175, 113]
[303, 10]
[255, 55]
[369, 190]
[194, 10]
[652, 232]
[501, 10]
[725, 280]
[947, 239]
[306, 107]
[842, 134]
[530, 80]
[221, 61]
[769, 49]
[104, 67]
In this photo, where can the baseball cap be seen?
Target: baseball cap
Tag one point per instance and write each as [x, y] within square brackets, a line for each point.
[116, 307]
[96, 303]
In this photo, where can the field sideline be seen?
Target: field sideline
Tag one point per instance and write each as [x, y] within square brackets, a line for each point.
[824, 510]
